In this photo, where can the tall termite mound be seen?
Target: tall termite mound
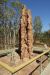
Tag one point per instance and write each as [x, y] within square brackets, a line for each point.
[26, 34]
[29, 33]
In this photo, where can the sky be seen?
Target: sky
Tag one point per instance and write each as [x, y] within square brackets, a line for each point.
[39, 8]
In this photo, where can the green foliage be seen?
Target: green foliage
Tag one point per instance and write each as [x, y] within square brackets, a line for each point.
[37, 24]
[5, 0]
[17, 4]
[44, 37]
[13, 4]
[37, 27]
[0, 15]
[2, 1]
[9, 13]
[9, 22]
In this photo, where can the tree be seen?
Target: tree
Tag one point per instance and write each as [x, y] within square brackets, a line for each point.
[18, 6]
[9, 20]
[37, 27]
[7, 15]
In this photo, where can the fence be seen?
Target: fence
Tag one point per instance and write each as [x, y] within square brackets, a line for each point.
[17, 68]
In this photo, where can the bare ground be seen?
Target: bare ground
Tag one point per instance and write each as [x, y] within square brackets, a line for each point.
[31, 69]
